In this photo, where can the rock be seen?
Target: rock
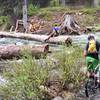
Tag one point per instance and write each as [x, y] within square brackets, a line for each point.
[2, 81]
[58, 98]
[55, 75]
[68, 96]
[18, 43]
[70, 86]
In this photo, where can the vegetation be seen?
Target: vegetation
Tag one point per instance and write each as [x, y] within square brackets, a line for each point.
[3, 20]
[54, 3]
[24, 79]
[70, 62]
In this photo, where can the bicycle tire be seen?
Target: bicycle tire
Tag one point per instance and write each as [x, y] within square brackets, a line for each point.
[86, 89]
[90, 87]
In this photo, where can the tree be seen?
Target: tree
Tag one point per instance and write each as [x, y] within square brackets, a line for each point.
[96, 3]
[11, 8]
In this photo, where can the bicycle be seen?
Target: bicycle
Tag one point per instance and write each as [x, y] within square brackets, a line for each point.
[93, 82]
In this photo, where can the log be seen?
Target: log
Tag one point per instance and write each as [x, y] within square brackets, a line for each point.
[36, 37]
[15, 51]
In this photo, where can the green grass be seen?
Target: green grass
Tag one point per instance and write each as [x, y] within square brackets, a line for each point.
[26, 78]
[89, 10]
[70, 63]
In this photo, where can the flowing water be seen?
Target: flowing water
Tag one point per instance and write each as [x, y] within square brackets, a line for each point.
[80, 40]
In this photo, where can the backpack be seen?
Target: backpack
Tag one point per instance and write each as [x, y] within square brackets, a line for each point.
[92, 46]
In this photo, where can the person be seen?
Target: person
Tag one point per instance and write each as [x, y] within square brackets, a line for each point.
[91, 54]
[55, 32]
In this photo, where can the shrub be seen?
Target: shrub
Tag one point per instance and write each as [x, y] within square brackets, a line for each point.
[3, 19]
[32, 9]
[24, 80]
[54, 3]
[70, 62]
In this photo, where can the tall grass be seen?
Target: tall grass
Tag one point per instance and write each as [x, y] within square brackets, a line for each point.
[25, 78]
[71, 62]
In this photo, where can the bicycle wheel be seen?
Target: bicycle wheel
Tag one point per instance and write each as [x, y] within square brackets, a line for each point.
[86, 89]
[90, 87]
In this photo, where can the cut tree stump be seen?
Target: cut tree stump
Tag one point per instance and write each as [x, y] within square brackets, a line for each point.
[70, 25]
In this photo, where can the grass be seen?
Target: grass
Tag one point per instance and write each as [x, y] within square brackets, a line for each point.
[26, 78]
[70, 64]
[48, 13]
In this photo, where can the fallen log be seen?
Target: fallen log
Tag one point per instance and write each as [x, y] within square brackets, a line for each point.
[15, 51]
[36, 37]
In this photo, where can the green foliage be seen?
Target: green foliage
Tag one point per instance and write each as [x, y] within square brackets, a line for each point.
[89, 10]
[54, 3]
[47, 15]
[3, 19]
[70, 62]
[32, 9]
[97, 27]
[24, 80]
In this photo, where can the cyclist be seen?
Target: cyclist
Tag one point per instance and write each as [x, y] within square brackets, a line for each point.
[91, 53]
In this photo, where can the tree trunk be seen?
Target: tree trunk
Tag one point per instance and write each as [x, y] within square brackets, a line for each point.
[96, 3]
[63, 2]
[11, 51]
[41, 38]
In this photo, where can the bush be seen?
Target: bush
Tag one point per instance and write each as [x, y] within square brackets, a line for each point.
[3, 19]
[54, 3]
[70, 62]
[32, 9]
[24, 80]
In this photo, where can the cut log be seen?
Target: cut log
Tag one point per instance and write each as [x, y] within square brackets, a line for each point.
[15, 51]
[36, 37]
